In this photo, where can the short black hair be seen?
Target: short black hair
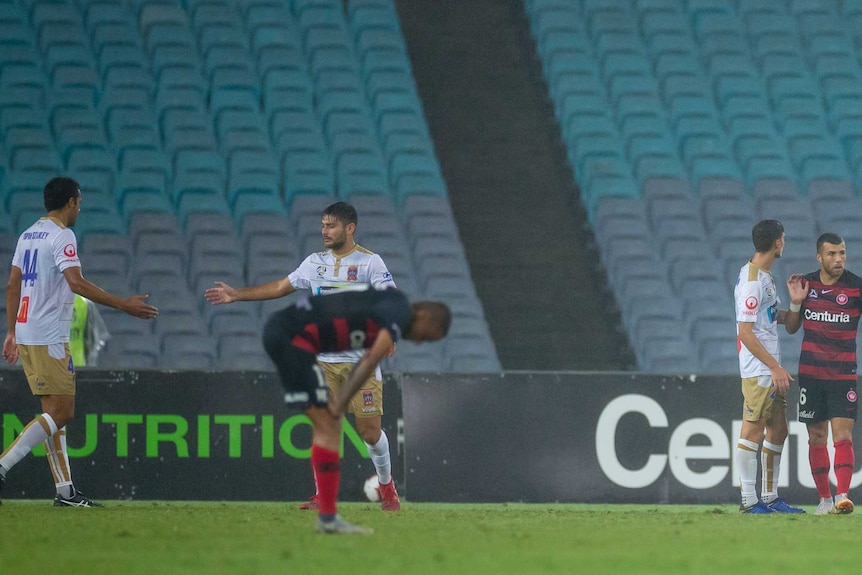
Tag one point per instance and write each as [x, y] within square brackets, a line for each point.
[765, 233]
[58, 192]
[343, 212]
[438, 311]
[828, 238]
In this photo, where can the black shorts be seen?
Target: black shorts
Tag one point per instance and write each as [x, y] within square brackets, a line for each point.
[821, 400]
[302, 378]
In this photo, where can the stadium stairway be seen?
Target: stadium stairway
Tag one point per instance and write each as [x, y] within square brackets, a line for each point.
[532, 254]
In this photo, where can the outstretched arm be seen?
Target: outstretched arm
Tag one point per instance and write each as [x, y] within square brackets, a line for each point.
[227, 294]
[132, 305]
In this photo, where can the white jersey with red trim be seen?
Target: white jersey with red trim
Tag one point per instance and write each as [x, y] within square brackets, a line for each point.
[757, 302]
[324, 272]
[44, 250]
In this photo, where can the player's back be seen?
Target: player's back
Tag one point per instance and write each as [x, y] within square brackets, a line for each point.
[352, 319]
[45, 308]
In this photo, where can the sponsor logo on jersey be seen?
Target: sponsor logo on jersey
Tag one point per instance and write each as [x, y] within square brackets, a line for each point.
[751, 302]
[841, 299]
[851, 396]
[353, 273]
[813, 293]
[387, 277]
[69, 250]
[806, 415]
[321, 271]
[368, 397]
[826, 316]
[772, 313]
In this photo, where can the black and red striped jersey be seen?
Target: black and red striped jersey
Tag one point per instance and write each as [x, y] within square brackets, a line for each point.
[348, 320]
[830, 318]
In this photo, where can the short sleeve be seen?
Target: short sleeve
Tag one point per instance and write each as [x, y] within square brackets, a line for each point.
[748, 299]
[66, 250]
[378, 274]
[18, 256]
[299, 278]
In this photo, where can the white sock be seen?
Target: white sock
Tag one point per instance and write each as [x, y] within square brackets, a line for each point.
[58, 461]
[380, 457]
[314, 473]
[37, 431]
[746, 463]
[770, 461]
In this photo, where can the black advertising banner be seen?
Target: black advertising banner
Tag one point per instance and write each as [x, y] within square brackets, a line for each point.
[516, 436]
[184, 436]
[584, 437]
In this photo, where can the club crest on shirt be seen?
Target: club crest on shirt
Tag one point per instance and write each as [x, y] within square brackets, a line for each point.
[851, 396]
[841, 299]
[352, 273]
[368, 397]
[813, 293]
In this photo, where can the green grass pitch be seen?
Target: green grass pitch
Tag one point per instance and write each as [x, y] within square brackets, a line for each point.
[145, 537]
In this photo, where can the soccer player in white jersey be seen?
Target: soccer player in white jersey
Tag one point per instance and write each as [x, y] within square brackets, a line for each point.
[43, 280]
[344, 265]
[764, 381]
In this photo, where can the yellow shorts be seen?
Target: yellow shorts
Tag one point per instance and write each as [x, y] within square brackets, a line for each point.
[48, 368]
[368, 401]
[761, 400]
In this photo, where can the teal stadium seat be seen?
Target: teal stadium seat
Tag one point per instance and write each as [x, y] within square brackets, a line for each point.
[177, 112]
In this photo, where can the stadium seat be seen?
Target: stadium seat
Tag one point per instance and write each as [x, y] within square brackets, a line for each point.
[99, 223]
[223, 320]
[147, 104]
[187, 351]
[243, 352]
[131, 351]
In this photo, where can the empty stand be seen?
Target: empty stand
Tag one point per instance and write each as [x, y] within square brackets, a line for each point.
[687, 123]
[180, 120]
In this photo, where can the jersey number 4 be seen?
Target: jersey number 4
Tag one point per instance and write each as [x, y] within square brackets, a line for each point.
[28, 275]
[29, 272]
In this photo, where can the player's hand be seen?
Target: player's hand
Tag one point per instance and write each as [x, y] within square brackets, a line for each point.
[221, 294]
[797, 287]
[137, 307]
[781, 379]
[10, 349]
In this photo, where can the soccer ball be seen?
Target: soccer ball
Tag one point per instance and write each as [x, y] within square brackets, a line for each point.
[372, 488]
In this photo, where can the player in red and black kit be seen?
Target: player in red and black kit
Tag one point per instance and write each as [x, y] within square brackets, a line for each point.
[827, 368]
[352, 320]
